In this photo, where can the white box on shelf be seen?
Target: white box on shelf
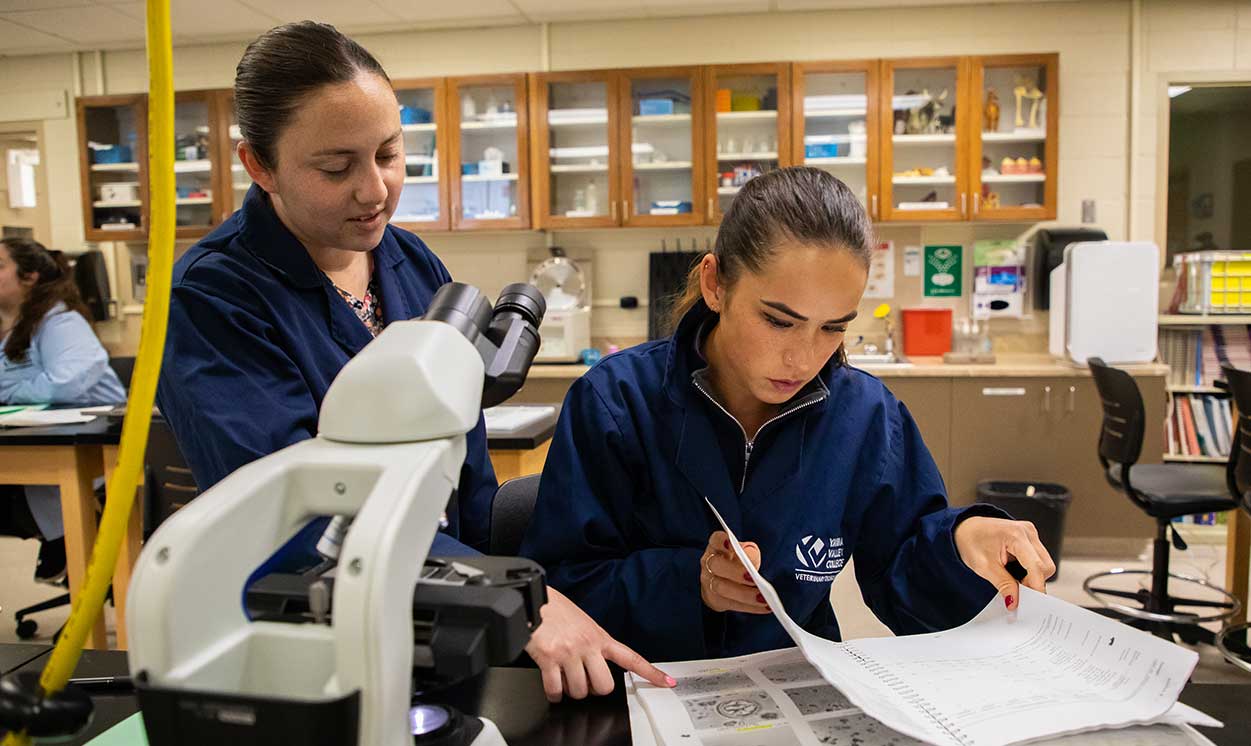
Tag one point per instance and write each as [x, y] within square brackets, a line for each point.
[119, 191]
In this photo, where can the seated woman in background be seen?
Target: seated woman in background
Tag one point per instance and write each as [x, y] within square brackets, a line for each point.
[50, 356]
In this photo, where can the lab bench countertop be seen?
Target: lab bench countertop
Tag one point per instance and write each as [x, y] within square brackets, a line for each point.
[1008, 365]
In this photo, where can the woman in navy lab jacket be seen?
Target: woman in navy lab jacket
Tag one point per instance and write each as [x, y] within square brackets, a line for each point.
[751, 404]
[267, 308]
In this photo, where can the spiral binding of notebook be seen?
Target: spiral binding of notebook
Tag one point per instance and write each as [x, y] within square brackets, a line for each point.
[909, 695]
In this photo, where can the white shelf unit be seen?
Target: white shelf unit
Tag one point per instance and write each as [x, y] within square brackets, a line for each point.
[421, 179]
[924, 180]
[834, 113]
[192, 167]
[1013, 178]
[844, 160]
[580, 169]
[746, 116]
[490, 124]
[722, 157]
[666, 166]
[906, 140]
[424, 127]
[119, 203]
[1203, 320]
[115, 167]
[662, 119]
[468, 178]
[1019, 136]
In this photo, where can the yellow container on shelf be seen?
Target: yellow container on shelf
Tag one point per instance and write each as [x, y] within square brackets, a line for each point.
[725, 99]
[1213, 282]
[744, 102]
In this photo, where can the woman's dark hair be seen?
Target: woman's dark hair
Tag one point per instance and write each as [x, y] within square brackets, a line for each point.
[284, 65]
[55, 285]
[801, 204]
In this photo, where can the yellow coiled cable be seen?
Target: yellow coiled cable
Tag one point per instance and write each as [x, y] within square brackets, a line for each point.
[89, 603]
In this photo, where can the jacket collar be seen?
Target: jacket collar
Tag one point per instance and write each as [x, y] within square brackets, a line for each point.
[265, 236]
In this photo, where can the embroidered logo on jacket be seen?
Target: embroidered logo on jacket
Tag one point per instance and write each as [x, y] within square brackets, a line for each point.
[820, 559]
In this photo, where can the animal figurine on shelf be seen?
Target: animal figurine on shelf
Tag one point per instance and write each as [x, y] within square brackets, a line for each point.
[990, 112]
[925, 119]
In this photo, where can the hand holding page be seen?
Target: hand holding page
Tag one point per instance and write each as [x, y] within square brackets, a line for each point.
[1048, 669]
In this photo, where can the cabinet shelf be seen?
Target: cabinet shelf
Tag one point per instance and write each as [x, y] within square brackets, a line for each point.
[193, 201]
[468, 178]
[723, 157]
[491, 124]
[423, 127]
[134, 167]
[662, 119]
[191, 167]
[1203, 320]
[580, 169]
[1177, 389]
[421, 179]
[746, 116]
[730, 190]
[118, 203]
[665, 166]
[1195, 459]
[576, 118]
[924, 180]
[419, 159]
[1013, 178]
[924, 139]
[845, 160]
[1017, 136]
[834, 113]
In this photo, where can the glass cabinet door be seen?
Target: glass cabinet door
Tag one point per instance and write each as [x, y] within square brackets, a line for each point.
[662, 110]
[489, 153]
[750, 130]
[575, 150]
[236, 182]
[1013, 156]
[922, 173]
[424, 197]
[835, 107]
[194, 159]
[113, 131]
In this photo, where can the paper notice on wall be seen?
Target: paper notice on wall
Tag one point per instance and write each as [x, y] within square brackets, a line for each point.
[912, 261]
[882, 272]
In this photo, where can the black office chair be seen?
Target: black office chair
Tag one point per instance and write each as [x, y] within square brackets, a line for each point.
[511, 509]
[91, 275]
[1164, 492]
[167, 486]
[1233, 641]
[124, 367]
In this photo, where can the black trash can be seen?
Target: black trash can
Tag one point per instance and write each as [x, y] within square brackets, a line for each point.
[1041, 503]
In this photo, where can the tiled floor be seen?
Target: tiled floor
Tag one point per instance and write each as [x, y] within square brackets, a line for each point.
[17, 561]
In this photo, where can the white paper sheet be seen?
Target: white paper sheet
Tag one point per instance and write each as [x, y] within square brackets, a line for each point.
[778, 698]
[1004, 677]
[36, 418]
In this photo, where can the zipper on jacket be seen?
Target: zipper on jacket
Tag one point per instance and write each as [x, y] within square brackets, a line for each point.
[749, 444]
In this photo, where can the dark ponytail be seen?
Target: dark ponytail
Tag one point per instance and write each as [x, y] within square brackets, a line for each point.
[283, 66]
[55, 285]
[801, 204]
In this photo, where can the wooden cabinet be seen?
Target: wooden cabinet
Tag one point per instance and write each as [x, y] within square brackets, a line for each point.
[1014, 120]
[234, 182]
[1046, 429]
[747, 128]
[576, 149]
[424, 203]
[198, 164]
[663, 115]
[923, 141]
[929, 402]
[113, 154]
[489, 152]
[834, 115]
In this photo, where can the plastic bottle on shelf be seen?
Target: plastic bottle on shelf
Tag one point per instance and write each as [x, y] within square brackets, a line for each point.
[592, 198]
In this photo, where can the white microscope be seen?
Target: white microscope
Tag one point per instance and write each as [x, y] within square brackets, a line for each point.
[389, 451]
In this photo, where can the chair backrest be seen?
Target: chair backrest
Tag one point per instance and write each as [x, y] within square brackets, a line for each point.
[168, 483]
[510, 514]
[124, 367]
[91, 275]
[1120, 438]
[1238, 473]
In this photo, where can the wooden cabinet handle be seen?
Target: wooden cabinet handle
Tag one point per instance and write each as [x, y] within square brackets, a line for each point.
[710, 207]
[612, 210]
[1046, 398]
[964, 204]
[873, 211]
[977, 203]
[625, 210]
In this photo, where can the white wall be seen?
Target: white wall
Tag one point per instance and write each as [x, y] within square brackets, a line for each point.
[1094, 40]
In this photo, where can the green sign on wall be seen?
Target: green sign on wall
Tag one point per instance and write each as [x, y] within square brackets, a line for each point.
[944, 271]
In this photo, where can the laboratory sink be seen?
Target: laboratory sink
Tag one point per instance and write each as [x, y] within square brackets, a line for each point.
[862, 359]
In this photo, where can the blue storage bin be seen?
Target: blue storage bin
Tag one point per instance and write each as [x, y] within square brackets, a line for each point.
[112, 154]
[415, 115]
[821, 150]
[469, 169]
[655, 106]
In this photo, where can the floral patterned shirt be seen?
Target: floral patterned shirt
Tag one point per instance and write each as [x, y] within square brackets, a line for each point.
[367, 309]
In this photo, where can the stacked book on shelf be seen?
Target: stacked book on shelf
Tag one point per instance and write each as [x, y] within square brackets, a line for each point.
[1195, 356]
[1199, 425]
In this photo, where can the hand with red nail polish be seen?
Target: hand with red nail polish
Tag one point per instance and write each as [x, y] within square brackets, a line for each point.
[987, 545]
[725, 585]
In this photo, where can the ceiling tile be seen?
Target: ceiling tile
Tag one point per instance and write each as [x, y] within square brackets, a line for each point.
[335, 12]
[196, 19]
[485, 12]
[8, 6]
[15, 38]
[92, 24]
[706, 7]
[580, 10]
